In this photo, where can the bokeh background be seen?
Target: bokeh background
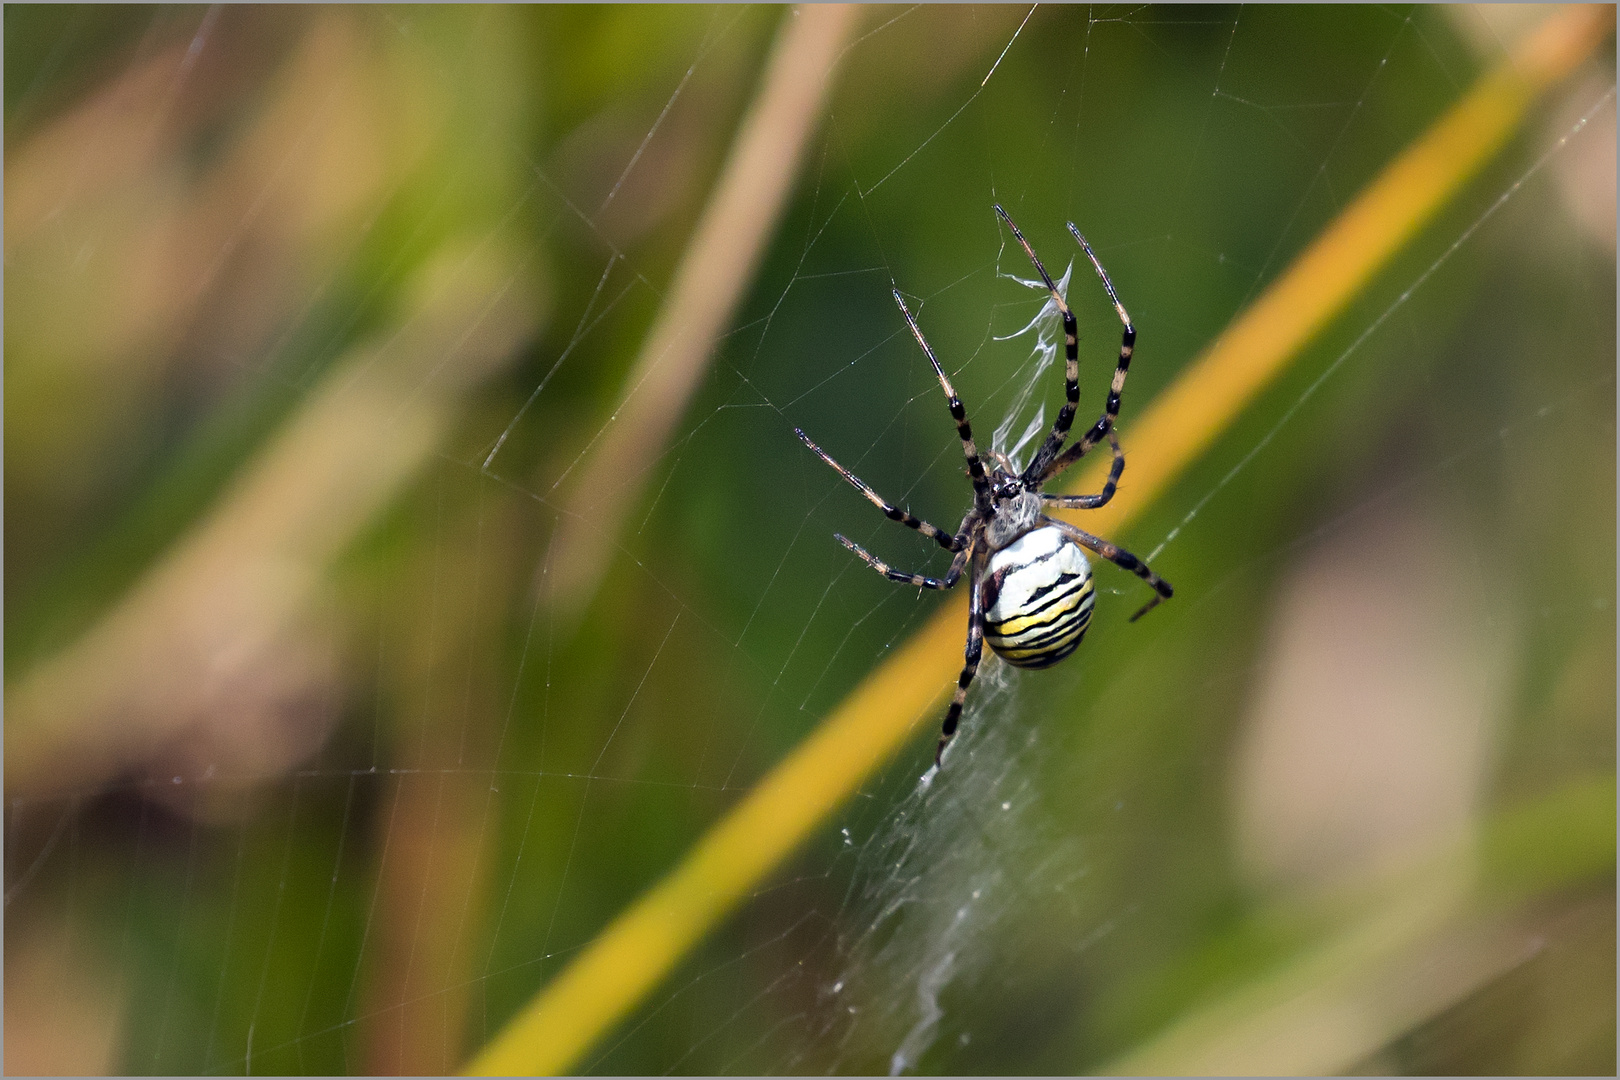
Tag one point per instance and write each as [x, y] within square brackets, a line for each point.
[313, 315]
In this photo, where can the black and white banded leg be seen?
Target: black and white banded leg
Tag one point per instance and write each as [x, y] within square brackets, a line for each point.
[970, 661]
[1120, 558]
[922, 581]
[1092, 502]
[948, 541]
[964, 430]
[1105, 422]
[1071, 363]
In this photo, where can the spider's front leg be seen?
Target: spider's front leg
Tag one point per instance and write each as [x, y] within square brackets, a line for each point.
[944, 539]
[1071, 362]
[970, 665]
[1127, 348]
[964, 429]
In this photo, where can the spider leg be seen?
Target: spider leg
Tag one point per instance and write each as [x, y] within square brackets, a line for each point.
[1091, 502]
[1127, 345]
[970, 665]
[945, 540]
[1120, 558]
[1071, 363]
[964, 430]
[921, 581]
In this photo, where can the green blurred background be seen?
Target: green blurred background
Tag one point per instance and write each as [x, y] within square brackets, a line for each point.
[365, 242]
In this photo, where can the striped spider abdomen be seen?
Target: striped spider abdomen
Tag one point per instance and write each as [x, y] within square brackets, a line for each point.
[1038, 596]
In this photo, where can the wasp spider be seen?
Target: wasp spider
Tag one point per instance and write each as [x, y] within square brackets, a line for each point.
[1032, 591]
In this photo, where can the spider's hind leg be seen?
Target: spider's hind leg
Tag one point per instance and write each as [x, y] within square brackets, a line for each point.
[970, 667]
[1122, 559]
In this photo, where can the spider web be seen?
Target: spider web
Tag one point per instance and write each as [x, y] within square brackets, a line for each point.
[479, 784]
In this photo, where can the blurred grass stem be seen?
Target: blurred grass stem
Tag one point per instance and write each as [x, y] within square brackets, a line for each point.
[213, 633]
[718, 264]
[1420, 939]
[641, 946]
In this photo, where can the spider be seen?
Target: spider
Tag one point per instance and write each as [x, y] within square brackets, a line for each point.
[1032, 591]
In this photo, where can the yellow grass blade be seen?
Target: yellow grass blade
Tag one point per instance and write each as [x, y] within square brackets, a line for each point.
[639, 948]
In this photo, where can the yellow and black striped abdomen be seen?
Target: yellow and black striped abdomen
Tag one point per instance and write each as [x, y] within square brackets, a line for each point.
[1038, 596]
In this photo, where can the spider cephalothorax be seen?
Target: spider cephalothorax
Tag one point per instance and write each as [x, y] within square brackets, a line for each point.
[1031, 587]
